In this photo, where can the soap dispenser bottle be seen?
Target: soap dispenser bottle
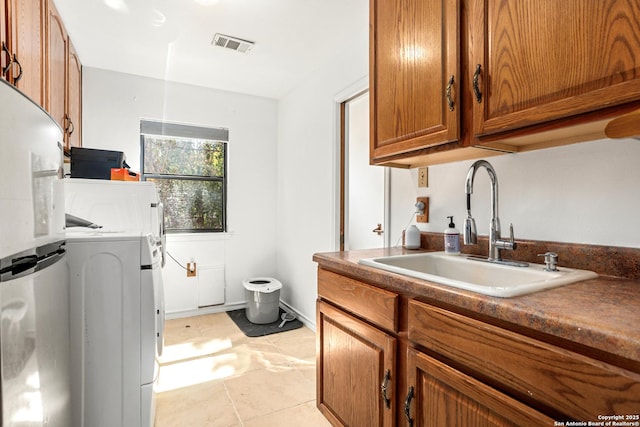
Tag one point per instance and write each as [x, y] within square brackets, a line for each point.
[451, 239]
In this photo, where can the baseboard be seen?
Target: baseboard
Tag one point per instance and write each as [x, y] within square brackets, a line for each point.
[205, 310]
[305, 320]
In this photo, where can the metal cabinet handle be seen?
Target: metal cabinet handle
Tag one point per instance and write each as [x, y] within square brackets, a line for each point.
[19, 76]
[384, 388]
[448, 93]
[407, 406]
[476, 87]
[69, 127]
[6, 51]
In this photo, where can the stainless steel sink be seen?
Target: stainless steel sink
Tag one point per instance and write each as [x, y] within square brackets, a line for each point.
[473, 275]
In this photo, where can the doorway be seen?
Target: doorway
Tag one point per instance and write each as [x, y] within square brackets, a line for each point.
[364, 192]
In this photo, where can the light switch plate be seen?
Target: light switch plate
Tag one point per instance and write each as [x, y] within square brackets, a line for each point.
[423, 176]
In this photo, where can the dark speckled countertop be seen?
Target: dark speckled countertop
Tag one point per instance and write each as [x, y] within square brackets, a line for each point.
[602, 314]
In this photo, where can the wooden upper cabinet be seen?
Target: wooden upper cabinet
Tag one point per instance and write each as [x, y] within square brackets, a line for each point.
[414, 75]
[27, 43]
[4, 40]
[543, 60]
[73, 127]
[56, 65]
[527, 74]
[64, 80]
[22, 28]
[38, 58]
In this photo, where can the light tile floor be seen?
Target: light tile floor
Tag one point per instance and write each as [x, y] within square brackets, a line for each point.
[212, 375]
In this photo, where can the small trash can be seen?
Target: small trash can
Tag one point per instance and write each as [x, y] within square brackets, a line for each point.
[263, 299]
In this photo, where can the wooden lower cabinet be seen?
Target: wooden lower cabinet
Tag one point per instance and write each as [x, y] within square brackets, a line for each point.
[356, 370]
[441, 368]
[566, 384]
[442, 396]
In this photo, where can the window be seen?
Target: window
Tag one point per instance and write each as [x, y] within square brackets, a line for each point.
[188, 165]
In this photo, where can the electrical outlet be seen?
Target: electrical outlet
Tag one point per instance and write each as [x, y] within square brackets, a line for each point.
[425, 215]
[191, 269]
[423, 177]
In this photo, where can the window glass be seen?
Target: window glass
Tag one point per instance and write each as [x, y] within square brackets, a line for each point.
[190, 174]
[191, 204]
[181, 156]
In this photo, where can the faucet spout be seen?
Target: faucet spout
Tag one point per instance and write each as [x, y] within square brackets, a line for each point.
[496, 243]
[471, 175]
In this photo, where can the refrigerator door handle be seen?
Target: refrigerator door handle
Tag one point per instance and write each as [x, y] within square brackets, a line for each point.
[30, 261]
[21, 264]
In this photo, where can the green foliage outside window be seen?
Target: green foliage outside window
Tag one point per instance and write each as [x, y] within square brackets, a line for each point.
[189, 157]
[190, 176]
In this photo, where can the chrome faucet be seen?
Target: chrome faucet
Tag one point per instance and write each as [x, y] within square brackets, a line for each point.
[496, 243]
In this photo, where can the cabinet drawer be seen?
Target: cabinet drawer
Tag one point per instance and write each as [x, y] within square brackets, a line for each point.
[572, 384]
[374, 304]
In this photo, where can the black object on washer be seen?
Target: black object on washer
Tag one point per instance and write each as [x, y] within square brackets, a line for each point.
[95, 164]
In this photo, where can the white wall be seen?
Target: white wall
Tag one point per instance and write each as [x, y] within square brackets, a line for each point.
[581, 193]
[307, 172]
[114, 103]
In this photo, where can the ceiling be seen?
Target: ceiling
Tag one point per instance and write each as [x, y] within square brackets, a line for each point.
[171, 39]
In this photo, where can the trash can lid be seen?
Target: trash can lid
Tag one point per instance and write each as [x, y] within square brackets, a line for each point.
[262, 284]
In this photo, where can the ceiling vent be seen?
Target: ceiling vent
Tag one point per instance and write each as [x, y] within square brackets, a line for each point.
[232, 43]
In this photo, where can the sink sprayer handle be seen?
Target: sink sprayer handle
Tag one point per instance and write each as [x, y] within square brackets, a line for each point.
[511, 238]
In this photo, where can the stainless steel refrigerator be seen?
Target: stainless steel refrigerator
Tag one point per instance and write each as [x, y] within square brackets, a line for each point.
[34, 277]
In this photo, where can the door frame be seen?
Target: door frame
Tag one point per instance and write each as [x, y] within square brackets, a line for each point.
[340, 101]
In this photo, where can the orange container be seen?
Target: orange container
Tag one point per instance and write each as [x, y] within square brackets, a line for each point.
[124, 174]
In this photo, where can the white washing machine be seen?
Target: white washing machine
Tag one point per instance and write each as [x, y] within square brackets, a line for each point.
[117, 323]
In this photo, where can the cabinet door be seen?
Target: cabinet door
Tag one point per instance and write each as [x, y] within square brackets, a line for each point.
[414, 75]
[442, 396]
[525, 366]
[74, 100]
[56, 60]
[543, 60]
[27, 44]
[356, 361]
[4, 40]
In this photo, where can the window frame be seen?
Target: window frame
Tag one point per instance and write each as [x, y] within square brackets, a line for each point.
[164, 129]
